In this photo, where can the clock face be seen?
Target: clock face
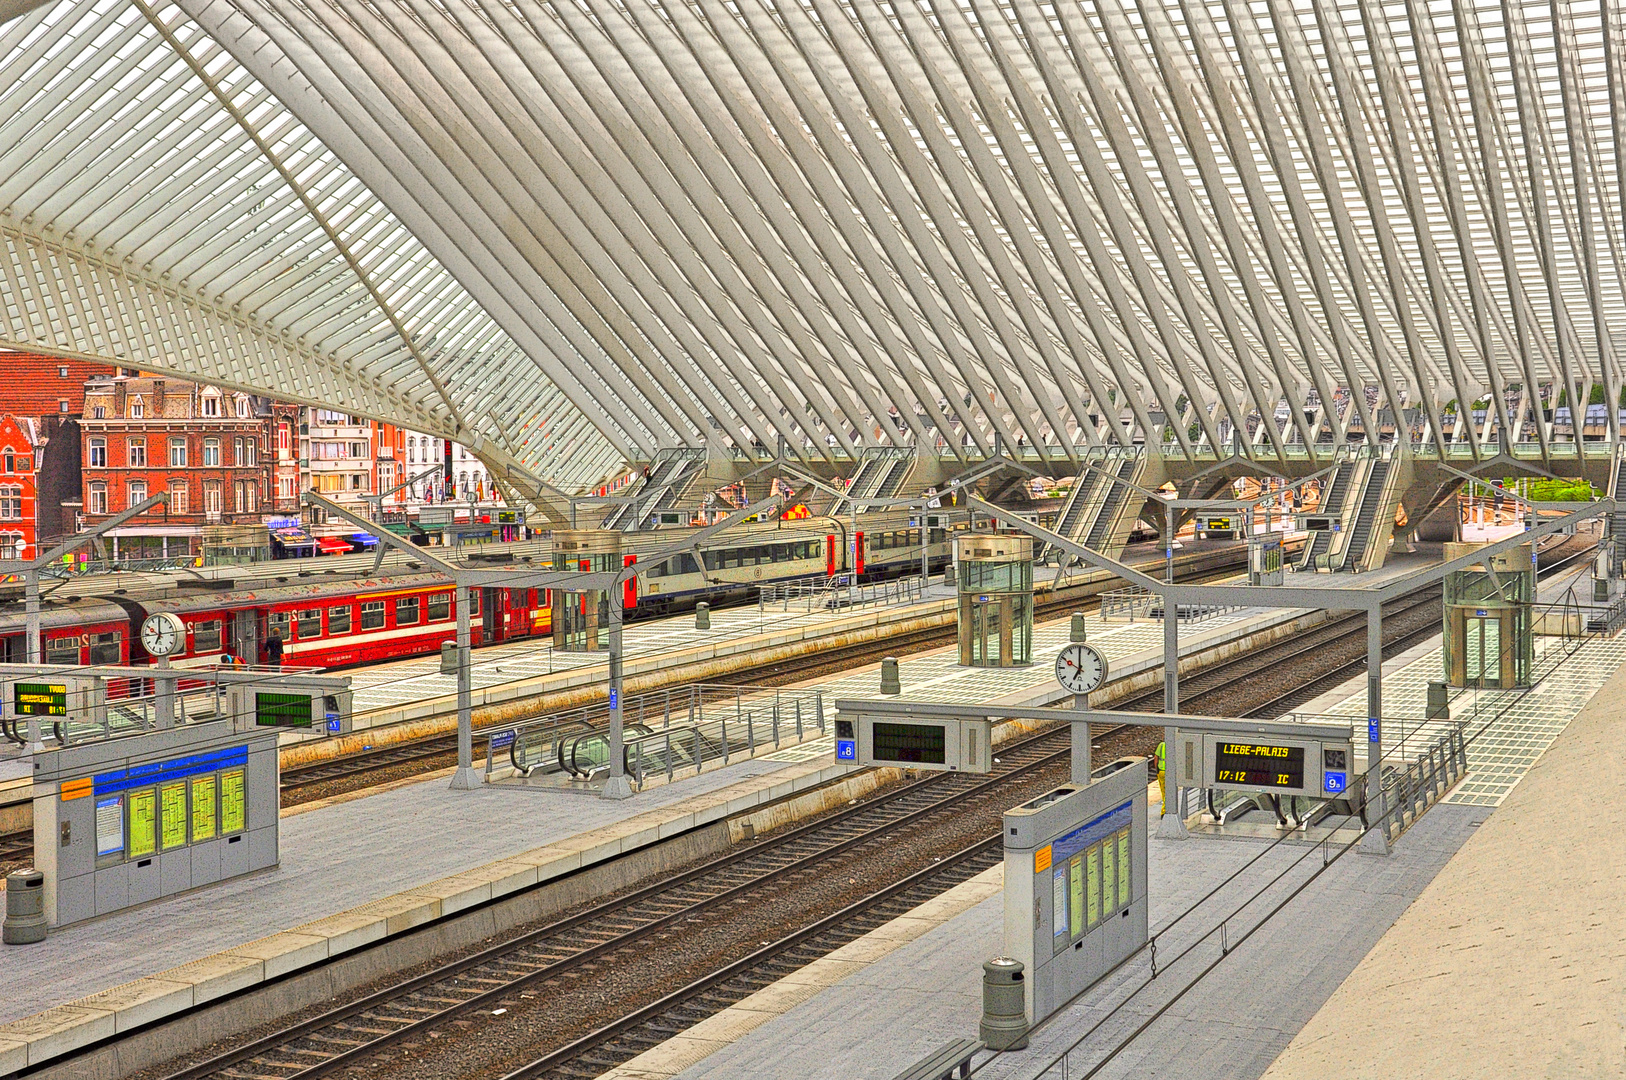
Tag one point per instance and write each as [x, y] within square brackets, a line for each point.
[163, 634]
[1080, 669]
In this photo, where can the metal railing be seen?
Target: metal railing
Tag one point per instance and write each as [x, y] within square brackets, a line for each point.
[1127, 605]
[668, 731]
[1409, 789]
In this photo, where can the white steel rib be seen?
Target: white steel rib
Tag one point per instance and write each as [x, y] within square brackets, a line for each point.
[575, 231]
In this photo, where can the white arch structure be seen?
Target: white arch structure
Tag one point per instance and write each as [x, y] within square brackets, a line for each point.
[571, 232]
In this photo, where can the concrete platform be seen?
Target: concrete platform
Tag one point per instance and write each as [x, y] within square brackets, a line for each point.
[879, 1018]
[1485, 945]
[1511, 962]
[429, 852]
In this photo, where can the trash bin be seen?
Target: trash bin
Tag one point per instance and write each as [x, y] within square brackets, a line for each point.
[25, 907]
[1004, 1016]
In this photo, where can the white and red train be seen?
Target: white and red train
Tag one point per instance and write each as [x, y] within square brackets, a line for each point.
[337, 616]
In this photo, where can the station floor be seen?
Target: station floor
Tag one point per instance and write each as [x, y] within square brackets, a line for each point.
[1448, 955]
[421, 840]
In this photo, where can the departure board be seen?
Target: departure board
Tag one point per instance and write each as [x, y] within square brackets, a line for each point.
[109, 825]
[231, 801]
[1258, 765]
[143, 823]
[921, 743]
[203, 807]
[172, 815]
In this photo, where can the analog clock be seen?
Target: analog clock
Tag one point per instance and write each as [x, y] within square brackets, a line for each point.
[163, 634]
[1080, 668]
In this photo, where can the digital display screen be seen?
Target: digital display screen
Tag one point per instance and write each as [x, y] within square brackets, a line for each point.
[282, 710]
[920, 743]
[40, 699]
[1259, 766]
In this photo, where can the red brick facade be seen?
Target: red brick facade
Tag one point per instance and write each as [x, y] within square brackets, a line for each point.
[210, 449]
[35, 385]
[19, 490]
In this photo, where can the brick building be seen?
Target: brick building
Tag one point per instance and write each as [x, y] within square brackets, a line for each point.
[207, 447]
[41, 386]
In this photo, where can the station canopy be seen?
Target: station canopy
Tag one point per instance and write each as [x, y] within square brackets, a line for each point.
[571, 232]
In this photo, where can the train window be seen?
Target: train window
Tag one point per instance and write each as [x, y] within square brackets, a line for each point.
[308, 624]
[440, 606]
[406, 611]
[711, 559]
[206, 637]
[104, 648]
[338, 619]
[278, 621]
[474, 602]
[62, 650]
[372, 615]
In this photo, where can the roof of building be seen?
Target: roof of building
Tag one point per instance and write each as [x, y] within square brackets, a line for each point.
[32, 384]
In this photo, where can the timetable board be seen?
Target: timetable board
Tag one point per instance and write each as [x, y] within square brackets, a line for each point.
[168, 804]
[947, 744]
[1275, 765]
[1075, 885]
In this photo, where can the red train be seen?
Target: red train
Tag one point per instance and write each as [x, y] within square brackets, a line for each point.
[323, 624]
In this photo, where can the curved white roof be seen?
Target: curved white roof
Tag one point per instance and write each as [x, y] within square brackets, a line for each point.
[574, 231]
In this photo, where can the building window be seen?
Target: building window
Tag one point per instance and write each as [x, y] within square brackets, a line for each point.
[285, 487]
[206, 637]
[11, 460]
[253, 496]
[211, 497]
[138, 492]
[242, 407]
[406, 611]
[135, 410]
[239, 498]
[237, 451]
[210, 405]
[412, 451]
[98, 453]
[177, 453]
[11, 546]
[178, 501]
[251, 451]
[356, 482]
[62, 371]
[372, 615]
[62, 405]
[211, 451]
[98, 412]
[137, 448]
[338, 620]
[96, 499]
[11, 503]
[284, 437]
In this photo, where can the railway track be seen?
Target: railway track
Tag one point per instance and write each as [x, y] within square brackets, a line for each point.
[438, 746]
[627, 934]
[549, 959]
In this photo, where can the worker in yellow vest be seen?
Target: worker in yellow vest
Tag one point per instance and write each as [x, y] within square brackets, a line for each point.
[1162, 792]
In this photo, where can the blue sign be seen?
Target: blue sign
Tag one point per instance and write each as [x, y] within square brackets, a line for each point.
[1372, 729]
[174, 769]
[1333, 782]
[846, 749]
[614, 697]
[333, 725]
[501, 739]
[1481, 613]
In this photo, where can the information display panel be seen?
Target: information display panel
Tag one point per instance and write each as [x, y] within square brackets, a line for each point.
[282, 710]
[109, 826]
[231, 801]
[39, 699]
[172, 815]
[203, 808]
[1272, 763]
[950, 744]
[1259, 765]
[924, 744]
[143, 823]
